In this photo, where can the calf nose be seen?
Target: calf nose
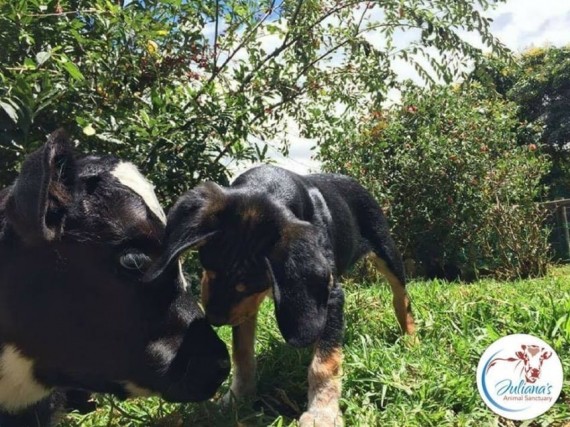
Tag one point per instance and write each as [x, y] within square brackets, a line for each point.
[210, 372]
[200, 366]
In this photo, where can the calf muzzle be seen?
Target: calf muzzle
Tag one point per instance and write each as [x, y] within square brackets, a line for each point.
[200, 366]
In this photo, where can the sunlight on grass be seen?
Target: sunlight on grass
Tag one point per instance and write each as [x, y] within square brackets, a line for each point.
[385, 381]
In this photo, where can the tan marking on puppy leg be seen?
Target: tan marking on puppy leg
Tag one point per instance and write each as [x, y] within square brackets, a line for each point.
[401, 300]
[324, 389]
[324, 378]
[244, 364]
[247, 308]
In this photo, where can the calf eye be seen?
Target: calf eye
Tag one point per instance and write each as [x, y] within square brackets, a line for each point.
[135, 261]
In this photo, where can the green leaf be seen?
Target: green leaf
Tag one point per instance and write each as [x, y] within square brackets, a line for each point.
[10, 110]
[29, 64]
[73, 71]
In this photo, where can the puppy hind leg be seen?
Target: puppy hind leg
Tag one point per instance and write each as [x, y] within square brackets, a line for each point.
[325, 371]
[401, 300]
[387, 258]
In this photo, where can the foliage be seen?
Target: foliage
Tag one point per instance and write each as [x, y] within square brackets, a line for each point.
[459, 191]
[539, 83]
[186, 88]
[385, 383]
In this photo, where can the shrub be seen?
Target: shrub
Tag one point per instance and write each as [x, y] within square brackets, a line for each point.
[459, 191]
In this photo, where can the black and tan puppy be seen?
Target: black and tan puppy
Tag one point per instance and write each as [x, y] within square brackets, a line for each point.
[274, 231]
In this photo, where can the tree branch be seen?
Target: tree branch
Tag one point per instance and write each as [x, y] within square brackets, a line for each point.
[258, 116]
[242, 42]
[341, 44]
[288, 43]
[216, 35]
[69, 12]
[284, 45]
[217, 70]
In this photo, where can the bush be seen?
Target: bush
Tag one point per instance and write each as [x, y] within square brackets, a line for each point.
[459, 191]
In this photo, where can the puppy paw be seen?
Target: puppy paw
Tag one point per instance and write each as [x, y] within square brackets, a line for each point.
[228, 400]
[235, 396]
[326, 417]
[411, 341]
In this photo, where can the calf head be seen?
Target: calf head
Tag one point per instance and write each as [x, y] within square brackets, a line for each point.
[76, 237]
[249, 246]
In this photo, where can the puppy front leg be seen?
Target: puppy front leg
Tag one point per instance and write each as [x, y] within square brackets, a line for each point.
[243, 356]
[326, 369]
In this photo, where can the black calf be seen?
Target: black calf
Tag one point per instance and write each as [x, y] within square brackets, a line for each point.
[76, 237]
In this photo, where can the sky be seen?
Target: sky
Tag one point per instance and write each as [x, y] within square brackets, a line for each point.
[519, 24]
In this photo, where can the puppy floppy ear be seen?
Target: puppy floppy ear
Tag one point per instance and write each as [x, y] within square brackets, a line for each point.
[43, 192]
[190, 223]
[301, 277]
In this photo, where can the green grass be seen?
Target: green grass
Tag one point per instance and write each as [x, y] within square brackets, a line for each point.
[386, 383]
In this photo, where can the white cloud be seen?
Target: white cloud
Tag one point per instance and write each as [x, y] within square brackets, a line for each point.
[525, 23]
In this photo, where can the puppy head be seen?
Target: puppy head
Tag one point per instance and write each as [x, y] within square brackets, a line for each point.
[250, 245]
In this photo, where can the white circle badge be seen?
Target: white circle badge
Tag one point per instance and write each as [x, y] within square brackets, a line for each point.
[519, 377]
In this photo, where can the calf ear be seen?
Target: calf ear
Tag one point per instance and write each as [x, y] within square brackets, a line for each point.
[301, 277]
[43, 192]
[190, 223]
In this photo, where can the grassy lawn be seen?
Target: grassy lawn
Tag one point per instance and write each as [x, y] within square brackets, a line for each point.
[385, 383]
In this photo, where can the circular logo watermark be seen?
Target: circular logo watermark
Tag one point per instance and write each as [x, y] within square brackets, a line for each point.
[519, 377]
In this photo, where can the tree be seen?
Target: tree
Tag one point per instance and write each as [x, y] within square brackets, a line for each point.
[538, 81]
[459, 191]
[185, 88]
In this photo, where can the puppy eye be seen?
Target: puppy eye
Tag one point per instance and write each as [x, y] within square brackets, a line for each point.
[135, 261]
[241, 288]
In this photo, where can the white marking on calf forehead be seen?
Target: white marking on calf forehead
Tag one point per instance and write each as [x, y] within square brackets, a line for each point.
[18, 386]
[129, 176]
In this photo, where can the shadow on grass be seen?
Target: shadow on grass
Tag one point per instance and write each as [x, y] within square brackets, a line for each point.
[281, 397]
